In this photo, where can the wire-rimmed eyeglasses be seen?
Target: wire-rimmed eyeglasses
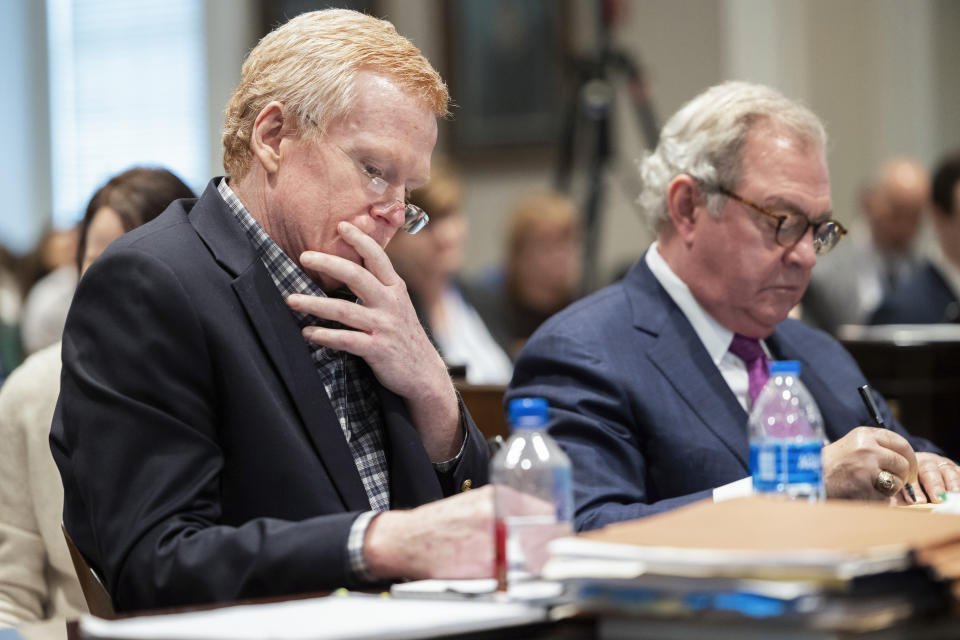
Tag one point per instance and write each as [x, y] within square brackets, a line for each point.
[414, 218]
[791, 227]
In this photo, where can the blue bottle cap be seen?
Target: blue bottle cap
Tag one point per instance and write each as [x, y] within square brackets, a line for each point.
[527, 413]
[784, 367]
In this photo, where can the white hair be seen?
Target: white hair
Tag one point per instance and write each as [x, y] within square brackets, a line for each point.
[705, 140]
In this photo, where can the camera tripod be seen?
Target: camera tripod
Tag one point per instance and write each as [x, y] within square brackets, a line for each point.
[588, 115]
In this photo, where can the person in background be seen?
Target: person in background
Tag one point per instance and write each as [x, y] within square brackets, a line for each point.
[932, 293]
[544, 259]
[11, 302]
[233, 423]
[37, 579]
[48, 299]
[650, 380]
[428, 262]
[880, 255]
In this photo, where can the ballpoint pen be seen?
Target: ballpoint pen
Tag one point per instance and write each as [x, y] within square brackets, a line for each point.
[867, 396]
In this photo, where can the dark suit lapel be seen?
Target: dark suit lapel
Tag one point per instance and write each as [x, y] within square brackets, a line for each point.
[280, 338]
[680, 355]
[412, 479]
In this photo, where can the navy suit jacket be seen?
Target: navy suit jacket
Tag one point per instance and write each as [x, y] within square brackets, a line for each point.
[643, 412]
[925, 298]
[201, 458]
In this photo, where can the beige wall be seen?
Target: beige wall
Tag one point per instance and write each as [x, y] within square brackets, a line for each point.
[873, 86]
[881, 73]
[678, 44]
[231, 27]
[946, 58]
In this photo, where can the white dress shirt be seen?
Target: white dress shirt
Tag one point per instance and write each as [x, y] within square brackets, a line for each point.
[468, 341]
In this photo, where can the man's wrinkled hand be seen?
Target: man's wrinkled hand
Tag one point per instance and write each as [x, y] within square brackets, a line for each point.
[852, 464]
[449, 539]
[937, 475]
[386, 333]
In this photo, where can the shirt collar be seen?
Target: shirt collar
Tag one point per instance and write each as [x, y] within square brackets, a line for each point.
[715, 337]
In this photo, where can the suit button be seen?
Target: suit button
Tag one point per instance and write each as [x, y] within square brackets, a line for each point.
[467, 485]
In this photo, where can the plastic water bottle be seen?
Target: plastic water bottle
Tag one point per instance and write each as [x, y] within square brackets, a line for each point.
[533, 494]
[786, 437]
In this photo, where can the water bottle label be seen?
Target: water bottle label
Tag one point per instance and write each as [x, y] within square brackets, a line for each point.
[776, 464]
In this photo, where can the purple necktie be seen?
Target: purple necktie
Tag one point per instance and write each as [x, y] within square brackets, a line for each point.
[758, 370]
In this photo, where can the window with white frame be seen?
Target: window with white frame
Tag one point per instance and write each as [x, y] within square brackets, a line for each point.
[127, 87]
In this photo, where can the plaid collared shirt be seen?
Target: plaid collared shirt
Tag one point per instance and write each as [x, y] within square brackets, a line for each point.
[347, 379]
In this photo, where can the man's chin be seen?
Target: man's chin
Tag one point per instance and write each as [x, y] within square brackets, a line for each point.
[766, 323]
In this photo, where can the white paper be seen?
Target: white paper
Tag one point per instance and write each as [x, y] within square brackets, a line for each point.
[441, 588]
[590, 557]
[351, 616]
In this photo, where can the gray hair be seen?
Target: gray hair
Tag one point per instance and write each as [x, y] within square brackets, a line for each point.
[705, 140]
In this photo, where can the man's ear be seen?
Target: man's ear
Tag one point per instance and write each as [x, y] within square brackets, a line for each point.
[684, 198]
[266, 136]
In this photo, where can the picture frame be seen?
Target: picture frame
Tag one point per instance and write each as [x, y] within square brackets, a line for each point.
[506, 63]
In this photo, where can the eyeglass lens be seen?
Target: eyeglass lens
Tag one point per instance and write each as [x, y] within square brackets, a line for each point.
[825, 235]
[414, 219]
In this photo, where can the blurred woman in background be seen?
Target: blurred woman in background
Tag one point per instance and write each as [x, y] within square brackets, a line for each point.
[428, 262]
[544, 263]
[37, 579]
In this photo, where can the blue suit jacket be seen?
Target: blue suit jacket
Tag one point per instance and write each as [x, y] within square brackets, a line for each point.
[643, 412]
[925, 298]
[201, 458]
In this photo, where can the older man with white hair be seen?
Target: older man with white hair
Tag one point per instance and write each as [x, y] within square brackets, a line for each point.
[650, 380]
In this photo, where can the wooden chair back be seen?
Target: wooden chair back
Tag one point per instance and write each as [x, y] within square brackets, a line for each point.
[95, 593]
[485, 403]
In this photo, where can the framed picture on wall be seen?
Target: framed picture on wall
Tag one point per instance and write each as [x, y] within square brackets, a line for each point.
[505, 69]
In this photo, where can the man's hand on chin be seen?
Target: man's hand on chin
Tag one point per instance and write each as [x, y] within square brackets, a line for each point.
[388, 335]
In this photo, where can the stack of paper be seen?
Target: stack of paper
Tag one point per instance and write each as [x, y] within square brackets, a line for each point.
[834, 565]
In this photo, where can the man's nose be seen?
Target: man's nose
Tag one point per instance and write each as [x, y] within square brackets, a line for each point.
[393, 212]
[804, 252]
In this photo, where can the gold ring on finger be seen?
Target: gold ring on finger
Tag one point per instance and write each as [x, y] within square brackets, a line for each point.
[885, 483]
